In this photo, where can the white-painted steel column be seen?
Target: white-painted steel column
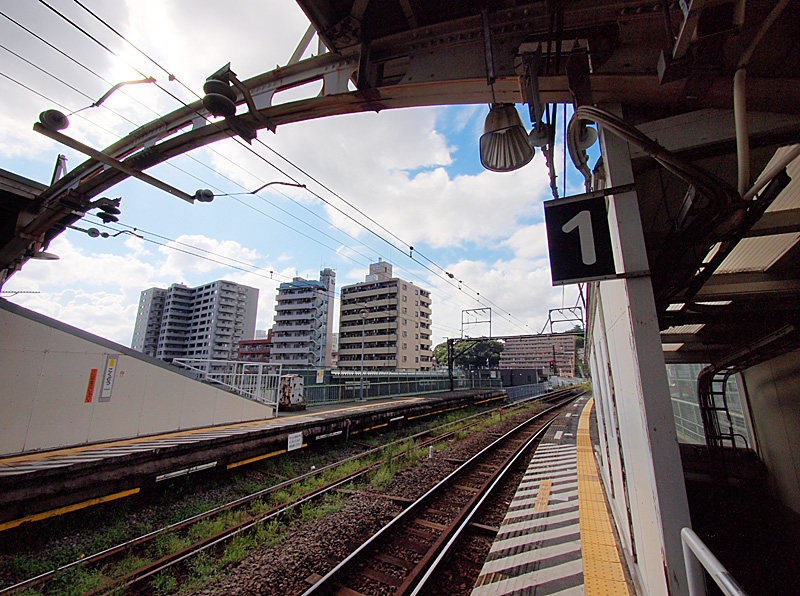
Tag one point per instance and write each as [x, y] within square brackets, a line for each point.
[654, 499]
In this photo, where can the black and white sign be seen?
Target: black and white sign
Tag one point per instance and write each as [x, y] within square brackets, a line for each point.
[295, 441]
[578, 240]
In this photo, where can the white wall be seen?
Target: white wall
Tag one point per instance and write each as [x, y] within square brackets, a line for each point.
[45, 375]
[773, 390]
[638, 446]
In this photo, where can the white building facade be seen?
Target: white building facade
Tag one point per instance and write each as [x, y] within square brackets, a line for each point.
[206, 322]
[303, 332]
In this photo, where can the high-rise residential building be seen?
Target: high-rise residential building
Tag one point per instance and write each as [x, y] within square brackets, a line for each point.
[537, 351]
[391, 318]
[256, 350]
[206, 322]
[302, 334]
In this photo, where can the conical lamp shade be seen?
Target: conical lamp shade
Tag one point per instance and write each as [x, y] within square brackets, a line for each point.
[504, 144]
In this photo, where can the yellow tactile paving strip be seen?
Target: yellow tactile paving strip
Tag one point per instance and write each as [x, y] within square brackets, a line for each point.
[602, 568]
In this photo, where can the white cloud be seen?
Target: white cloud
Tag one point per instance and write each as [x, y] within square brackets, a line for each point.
[519, 292]
[397, 166]
[191, 254]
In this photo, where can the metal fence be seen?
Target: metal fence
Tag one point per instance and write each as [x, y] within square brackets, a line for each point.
[254, 380]
[524, 391]
[322, 386]
[260, 381]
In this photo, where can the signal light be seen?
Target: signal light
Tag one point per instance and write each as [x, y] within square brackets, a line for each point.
[552, 365]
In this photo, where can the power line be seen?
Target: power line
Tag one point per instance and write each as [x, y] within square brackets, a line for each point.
[301, 170]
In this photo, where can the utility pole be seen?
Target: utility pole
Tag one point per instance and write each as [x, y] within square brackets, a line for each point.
[450, 361]
[363, 313]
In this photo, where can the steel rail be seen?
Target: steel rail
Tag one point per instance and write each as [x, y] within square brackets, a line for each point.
[331, 582]
[182, 524]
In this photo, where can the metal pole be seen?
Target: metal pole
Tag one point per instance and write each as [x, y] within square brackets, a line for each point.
[696, 555]
[450, 361]
[363, 314]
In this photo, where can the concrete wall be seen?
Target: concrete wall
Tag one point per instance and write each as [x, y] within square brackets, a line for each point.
[47, 401]
[773, 391]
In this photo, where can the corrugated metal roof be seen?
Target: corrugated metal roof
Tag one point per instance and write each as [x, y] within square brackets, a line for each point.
[790, 196]
[684, 329]
[758, 254]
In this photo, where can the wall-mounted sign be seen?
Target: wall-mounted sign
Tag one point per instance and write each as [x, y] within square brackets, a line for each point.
[90, 387]
[578, 239]
[295, 441]
[112, 361]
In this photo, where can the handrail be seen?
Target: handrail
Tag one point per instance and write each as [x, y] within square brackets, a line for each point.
[695, 554]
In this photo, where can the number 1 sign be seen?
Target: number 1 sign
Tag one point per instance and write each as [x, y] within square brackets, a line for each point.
[578, 240]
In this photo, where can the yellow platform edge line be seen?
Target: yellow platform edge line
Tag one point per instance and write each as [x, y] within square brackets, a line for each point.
[61, 510]
[599, 575]
[251, 460]
[56, 453]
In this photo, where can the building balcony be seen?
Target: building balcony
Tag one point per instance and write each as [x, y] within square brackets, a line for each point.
[278, 350]
[347, 317]
[356, 350]
[294, 317]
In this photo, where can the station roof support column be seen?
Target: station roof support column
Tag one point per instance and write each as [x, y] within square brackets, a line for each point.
[652, 506]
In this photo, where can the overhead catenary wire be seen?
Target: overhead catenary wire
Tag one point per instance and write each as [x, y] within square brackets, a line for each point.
[478, 298]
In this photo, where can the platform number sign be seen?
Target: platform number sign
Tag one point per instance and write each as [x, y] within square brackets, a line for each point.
[578, 240]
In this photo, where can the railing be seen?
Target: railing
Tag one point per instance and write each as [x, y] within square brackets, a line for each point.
[522, 391]
[696, 556]
[258, 381]
[346, 385]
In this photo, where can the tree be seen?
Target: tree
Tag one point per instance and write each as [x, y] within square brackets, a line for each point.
[578, 330]
[471, 353]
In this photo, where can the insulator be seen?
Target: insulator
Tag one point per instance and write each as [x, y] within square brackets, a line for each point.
[220, 88]
[107, 217]
[219, 105]
[204, 195]
[53, 119]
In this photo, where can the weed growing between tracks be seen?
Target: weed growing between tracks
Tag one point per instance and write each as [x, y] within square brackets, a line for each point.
[65, 539]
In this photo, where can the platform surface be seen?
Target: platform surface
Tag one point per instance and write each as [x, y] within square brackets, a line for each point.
[557, 536]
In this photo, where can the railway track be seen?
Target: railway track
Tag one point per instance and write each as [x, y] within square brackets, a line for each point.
[137, 580]
[406, 553]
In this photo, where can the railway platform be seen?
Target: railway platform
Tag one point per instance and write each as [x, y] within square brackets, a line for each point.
[43, 484]
[557, 537]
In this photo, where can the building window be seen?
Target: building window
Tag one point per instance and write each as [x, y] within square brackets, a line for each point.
[405, 287]
[405, 346]
[405, 321]
[405, 310]
[405, 298]
[405, 333]
[405, 358]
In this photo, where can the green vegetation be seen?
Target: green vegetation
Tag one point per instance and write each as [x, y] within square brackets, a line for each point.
[115, 523]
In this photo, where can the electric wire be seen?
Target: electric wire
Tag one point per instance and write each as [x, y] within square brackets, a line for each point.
[476, 298]
[77, 62]
[105, 47]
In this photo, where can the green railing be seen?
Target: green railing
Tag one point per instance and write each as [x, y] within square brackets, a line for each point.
[323, 386]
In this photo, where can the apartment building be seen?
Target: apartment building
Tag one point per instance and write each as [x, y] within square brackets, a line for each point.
[303, 331]
[206, 322]
[537, 351]
[256, 350]
[392, 318]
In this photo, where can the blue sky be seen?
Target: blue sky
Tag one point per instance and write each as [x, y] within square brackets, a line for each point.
[416, 172]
